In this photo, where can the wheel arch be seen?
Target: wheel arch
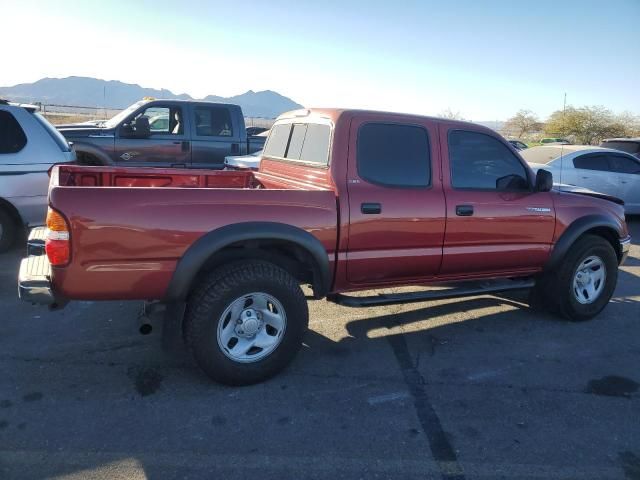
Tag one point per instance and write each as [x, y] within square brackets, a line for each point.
[599, 225]
[292, 248]
[12, 211]
[88, 149]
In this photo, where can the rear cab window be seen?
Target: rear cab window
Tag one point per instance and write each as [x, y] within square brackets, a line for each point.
[306, 142]
[12, 136]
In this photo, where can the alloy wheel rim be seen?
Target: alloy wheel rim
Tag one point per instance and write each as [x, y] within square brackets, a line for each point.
[589, 280]
[251, 327]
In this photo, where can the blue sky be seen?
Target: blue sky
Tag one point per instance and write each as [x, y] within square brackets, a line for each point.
[484, 59]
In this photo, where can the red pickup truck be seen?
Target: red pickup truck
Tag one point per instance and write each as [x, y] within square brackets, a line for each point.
[344, 200]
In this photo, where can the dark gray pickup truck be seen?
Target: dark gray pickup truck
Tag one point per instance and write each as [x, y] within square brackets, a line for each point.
[164, 133]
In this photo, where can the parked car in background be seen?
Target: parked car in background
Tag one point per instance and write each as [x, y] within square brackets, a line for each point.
[244, 162]
[29, 146]
[256, 130]
[165, 133]
[345, 200]
[518, 144]
[555, 141]
[605, 170]
[628, 145]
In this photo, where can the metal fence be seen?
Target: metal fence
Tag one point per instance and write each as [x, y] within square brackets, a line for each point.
[59, 114]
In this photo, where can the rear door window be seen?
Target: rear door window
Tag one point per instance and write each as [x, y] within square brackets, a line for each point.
[622, 164]
[394, 155]
[213, 122]
[12, 137]
[592, 162]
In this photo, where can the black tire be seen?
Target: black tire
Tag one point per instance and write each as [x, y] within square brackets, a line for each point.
[558, 291]
[8, 231]
[218, 290]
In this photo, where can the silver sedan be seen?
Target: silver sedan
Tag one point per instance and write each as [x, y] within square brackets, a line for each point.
[599, 169]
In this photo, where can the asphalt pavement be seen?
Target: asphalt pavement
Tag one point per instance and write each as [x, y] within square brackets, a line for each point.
[477, 388]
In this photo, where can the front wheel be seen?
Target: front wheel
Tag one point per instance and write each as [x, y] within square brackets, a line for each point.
[245, 322]
[585, 282]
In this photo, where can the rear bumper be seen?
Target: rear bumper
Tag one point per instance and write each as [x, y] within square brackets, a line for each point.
[625, 246]
[34, 281]
[34, 277]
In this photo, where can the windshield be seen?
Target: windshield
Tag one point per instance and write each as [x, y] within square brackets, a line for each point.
[55, 134]
[114, 121]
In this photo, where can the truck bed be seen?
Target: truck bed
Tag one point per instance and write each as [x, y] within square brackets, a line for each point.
[130, 226]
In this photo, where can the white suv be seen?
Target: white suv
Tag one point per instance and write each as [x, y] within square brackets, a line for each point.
[29, 146]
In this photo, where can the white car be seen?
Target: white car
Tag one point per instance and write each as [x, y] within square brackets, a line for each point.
[604, 170]
[244, 162]
[29, 146]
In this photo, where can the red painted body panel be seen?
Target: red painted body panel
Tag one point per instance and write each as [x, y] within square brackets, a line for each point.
[130, 227]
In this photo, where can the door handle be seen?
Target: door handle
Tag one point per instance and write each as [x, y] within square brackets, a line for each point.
[464, 210]
[371, 208]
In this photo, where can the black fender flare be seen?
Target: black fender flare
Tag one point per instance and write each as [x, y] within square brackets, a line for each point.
[574, 231]
[80, 147]
[206, 246]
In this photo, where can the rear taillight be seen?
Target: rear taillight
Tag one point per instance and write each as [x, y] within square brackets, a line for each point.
[57, 243]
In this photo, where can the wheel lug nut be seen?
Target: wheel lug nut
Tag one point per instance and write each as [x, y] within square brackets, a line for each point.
[240, 332]
[239, 321]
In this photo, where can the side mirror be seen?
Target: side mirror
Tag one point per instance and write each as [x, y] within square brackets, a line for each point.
[142, 128]
[126, 131]
[544, 180]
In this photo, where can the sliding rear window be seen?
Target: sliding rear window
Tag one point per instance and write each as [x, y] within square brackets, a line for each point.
[304, 142]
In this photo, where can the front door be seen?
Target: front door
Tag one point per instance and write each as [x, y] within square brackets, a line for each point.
[167, 145]
[396, 202]
[592, 171]
[495, 222]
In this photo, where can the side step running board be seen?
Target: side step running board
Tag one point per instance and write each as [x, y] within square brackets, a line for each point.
[465, 289]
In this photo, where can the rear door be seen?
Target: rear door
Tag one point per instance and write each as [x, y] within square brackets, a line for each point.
[167, 145]
[217, 132]
[495, 222]
[592, 171]
[627, 169]
[396, 202]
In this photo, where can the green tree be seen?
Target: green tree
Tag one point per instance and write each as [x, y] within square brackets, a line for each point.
[522, 123]
[588, 125]
[630, 123]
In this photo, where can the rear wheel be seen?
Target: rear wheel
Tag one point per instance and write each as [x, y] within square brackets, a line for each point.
[584, 283]
[245, 322]
[8, 231]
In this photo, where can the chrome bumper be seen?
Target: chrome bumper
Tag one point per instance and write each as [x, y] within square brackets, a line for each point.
[625, 246]
[34, 281]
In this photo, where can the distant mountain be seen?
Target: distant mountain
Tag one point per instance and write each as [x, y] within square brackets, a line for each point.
[93, 92]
